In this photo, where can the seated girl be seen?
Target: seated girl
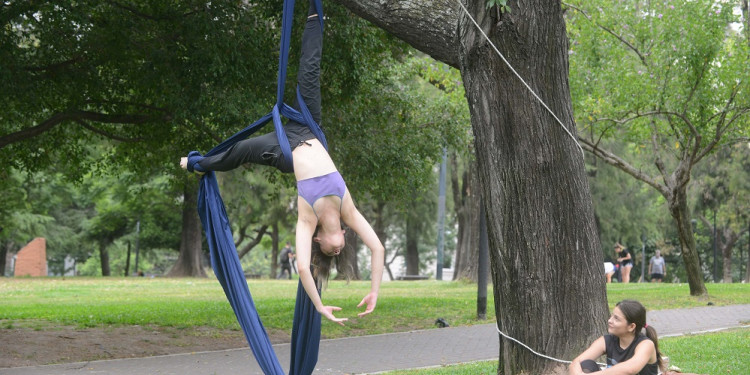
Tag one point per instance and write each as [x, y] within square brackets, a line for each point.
[628, 350]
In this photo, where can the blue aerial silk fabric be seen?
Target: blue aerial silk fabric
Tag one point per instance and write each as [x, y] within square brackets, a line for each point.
[224, 259]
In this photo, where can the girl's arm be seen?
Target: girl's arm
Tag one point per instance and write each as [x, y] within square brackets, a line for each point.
[596, 350]
[643, 353]
[306, 222]
[354, 219]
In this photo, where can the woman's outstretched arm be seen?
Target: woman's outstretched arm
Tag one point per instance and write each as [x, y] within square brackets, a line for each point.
[354, 219]
[306, 222]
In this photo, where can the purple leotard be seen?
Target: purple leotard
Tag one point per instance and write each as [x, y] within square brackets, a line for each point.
[312, 189]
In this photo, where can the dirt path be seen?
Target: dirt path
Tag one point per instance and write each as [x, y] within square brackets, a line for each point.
[61, 344]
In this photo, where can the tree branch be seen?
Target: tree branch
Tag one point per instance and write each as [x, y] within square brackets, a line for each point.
[410, 21]
[695, 86]
[621, 164]
[657, 151]
[54, 66]
[620, 38]
[138, 13]
[59, 118]
[654, 113]
[260, 233]
[106, 134]
[720, 130]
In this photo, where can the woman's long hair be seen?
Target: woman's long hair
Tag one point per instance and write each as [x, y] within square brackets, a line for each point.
[635, 313]
[322, 263]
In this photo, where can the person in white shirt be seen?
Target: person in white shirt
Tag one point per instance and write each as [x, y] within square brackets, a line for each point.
[657, 267]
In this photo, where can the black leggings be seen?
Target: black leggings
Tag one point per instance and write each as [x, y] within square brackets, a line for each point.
[265, 149]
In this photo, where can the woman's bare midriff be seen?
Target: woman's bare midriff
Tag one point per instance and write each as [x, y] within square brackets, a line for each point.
[312, 160]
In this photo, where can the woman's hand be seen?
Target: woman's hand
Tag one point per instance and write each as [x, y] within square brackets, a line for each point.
[371, 300]
[327, 311]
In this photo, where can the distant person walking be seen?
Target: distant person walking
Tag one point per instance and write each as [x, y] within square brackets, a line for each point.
[657, 267]
[285, 261]
[625, 260]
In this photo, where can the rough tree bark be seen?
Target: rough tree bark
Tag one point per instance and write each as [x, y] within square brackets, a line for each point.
[412, 245]
[104, 257]
[4, 247]
[726, 245]
[189, 261]
[545, 256]
[379, 227]
[466, 202]
[726, 240]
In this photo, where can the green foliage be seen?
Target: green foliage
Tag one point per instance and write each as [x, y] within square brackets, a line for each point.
[673, 70]
[156, 79]
[502, 4]
[100, 209]
[637, 211]
[395, 129]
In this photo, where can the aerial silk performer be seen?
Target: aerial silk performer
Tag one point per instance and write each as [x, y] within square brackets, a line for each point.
[323, 204]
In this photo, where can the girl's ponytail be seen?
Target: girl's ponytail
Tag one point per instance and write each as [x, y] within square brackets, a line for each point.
[651, 334]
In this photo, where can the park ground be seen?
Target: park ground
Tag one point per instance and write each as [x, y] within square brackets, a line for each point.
[50, 343]
[74, 320]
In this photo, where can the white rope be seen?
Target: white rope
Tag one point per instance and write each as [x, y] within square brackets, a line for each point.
[521, 79]
[535, 352]
[531, 350]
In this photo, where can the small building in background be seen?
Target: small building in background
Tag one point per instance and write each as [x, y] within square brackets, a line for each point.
[32, 259]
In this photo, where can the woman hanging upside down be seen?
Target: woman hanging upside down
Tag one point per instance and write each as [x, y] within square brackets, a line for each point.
[323, 200]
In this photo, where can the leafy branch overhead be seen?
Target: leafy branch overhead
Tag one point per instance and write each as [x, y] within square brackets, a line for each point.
[501, 4]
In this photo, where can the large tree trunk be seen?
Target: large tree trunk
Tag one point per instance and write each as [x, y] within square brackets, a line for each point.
[275, 250]
[4, 246]
[680, 211]
[730, 238]
[379, 228]
[466, 202]
[545, 255]
[412, 245]
[104, 258]
[189, 262]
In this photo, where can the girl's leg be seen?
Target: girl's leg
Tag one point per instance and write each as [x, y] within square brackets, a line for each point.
[626, 274]
[308, 76]
[262, 150]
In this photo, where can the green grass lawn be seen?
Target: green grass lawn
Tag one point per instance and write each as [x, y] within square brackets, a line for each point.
[91, 302]
[39, 303]
[726, 352]
[676, 296]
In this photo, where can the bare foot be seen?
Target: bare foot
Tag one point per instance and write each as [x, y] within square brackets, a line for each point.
[184, 164]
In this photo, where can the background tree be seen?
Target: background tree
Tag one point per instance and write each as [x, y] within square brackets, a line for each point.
[155, 80]
[724, 189]
[668, 77]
